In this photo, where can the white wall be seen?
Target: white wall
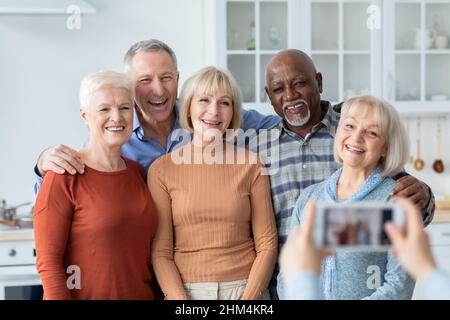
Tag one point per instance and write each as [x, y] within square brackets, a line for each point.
[42, 63]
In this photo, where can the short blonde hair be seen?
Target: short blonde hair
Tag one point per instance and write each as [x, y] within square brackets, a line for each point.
[98, 80]
[208, 81]
[391, 126]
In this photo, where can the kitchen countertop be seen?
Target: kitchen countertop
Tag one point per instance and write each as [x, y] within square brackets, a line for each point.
[441, 216]
[8, 234]
[16, 234]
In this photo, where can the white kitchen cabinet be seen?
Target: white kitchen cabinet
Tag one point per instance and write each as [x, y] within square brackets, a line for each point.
[344, 49]
[18, 275]
[417, 55]
[375, 46]
[440, 243]
[252, 31]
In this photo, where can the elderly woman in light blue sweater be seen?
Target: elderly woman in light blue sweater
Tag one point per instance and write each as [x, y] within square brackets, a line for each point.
[372, 145]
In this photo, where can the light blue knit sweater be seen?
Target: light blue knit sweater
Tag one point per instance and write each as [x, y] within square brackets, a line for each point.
[353, 275]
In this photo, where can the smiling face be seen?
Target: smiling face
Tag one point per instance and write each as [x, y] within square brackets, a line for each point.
[211, 115]
[155, 80]
[294, 88]
[109, 116]
[360, 142]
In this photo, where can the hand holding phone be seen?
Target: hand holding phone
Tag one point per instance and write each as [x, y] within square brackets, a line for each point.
[300, 251]
[356, 226]
[412, 247]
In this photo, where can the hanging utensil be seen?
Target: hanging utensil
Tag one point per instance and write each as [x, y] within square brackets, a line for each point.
[411, 156]
[438, 164]
[418, 162]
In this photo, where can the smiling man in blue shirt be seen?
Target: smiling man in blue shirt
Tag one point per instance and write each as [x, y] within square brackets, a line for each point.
[152, 66]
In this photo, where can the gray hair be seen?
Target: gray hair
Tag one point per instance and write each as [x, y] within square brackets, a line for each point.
[101, 79]
[397, 141]
[152, 45]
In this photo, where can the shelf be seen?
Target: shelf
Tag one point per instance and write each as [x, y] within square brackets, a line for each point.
[272, 52]
[337, 52]
[416, 108]
[360, 52]
[432, 51]
[240, 52]
[325, 52]
[251, 52]
[412, 51]
[438, 51]
[25, 7]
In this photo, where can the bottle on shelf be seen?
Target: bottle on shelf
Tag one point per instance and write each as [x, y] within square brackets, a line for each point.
[251, 45]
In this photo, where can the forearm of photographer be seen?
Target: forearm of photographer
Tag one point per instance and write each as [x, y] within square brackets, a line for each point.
[417, 192]
[59, 159]
[413, 250]
[300, 261]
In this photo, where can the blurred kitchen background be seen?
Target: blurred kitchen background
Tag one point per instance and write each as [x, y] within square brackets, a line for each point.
[395, 49]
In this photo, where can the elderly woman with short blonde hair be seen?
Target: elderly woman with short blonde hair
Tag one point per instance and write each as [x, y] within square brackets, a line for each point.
[93, 231]
[216, 236]
[372, 145]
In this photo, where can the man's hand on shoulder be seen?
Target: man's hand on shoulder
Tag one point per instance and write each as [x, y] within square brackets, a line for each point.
[413, 189]
[60, 159]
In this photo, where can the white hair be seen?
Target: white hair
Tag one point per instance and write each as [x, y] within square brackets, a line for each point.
[391, 126]
[101, 79]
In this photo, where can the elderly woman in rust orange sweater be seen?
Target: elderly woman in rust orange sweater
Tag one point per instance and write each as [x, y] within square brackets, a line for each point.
[93, 231]
[216, 236]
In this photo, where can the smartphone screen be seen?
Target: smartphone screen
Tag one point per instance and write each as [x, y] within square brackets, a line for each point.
[356, 226]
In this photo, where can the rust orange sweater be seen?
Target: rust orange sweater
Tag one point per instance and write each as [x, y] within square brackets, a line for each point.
[216, 223]
[101, 222]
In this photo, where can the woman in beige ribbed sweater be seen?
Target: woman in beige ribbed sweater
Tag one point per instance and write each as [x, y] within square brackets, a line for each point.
[216, 236]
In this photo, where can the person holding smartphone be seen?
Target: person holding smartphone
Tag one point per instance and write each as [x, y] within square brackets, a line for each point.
[414, 253]
[372, 146]
[300, 259]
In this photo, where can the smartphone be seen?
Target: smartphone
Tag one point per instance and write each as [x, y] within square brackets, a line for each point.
[357, 226]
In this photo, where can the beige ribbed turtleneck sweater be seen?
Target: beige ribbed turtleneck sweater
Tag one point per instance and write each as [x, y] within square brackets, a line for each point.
[216, 222]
